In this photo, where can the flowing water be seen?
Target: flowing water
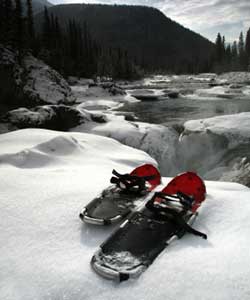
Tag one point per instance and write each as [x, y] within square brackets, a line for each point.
[182, 109]
[208, 154]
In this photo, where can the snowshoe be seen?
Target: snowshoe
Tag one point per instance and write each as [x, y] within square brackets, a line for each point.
[126, 192]
[146, 233]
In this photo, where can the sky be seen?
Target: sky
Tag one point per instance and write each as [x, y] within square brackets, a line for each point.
[207, 17]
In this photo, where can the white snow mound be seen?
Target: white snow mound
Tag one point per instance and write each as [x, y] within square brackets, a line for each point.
[46, 249]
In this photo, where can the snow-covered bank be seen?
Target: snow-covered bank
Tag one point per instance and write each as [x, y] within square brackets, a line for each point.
[220, 145]
[217, 148]
[157, 140]
[46, 177]
[222, 92]
[55, 117]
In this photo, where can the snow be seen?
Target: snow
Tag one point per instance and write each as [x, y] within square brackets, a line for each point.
[47, 177]
[235, 127]
[157, 140]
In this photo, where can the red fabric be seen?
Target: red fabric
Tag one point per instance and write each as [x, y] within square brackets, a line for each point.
[148, 170]
[188, 183]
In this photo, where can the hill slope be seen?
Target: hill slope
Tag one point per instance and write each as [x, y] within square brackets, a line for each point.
[155, 40]
[37, 5]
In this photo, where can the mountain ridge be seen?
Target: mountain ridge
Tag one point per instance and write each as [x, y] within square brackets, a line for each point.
[146, 33]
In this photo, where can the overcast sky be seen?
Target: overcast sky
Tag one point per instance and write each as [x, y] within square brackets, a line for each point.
[207, 17]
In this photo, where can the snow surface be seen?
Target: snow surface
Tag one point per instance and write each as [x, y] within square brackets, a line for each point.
[47, 177]
[235, 127]
[157, 140]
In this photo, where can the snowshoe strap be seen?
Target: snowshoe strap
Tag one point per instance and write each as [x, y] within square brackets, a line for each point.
[185, 200]
[127, 181]
[175, 216]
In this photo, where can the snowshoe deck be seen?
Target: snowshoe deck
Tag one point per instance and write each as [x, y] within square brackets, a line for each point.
[135, 245]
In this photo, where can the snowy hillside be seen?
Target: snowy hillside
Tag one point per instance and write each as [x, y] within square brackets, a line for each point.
[47, 177]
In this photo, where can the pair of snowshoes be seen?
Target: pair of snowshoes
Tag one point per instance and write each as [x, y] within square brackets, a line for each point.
[152, 219]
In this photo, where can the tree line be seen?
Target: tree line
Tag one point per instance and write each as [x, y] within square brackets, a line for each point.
[70, 50]
[234, 56]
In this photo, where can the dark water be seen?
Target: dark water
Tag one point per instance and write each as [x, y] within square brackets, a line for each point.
[177, 111]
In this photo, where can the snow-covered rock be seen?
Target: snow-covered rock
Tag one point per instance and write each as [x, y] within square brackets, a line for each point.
[10, 77]
[239, 172]
[42, 84]
[47, 177]
[217, 146]
[235, 77]
[97, 97]
[97, 90]
[221, 92]
[57, 117]
[32, 82]
[151, 94]
[236, 127]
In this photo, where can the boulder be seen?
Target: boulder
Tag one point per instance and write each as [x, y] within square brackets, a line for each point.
[55, 117]
[30, 82]
[42, 84]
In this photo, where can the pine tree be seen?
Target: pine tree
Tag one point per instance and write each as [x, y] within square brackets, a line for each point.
[223, 47]
[247, 49]
[235, 58]
[228, 55]
[6, 22]
[46, 29]
[1, 21]
[30, 24]
[241, 50]
[220, 50]
[19, 27]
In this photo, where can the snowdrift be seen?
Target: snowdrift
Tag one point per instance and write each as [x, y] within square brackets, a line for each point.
[47, 177]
